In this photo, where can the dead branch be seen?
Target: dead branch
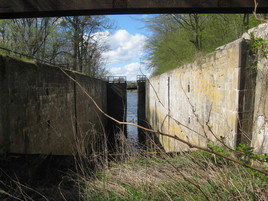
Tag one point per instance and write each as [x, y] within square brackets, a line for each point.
[190, 145]
[255, 12]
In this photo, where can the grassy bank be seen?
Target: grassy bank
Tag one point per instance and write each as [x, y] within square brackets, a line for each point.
[195, 176]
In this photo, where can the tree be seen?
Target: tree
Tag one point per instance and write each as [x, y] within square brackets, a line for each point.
[85, 52]
[179, 38]
[66, 41]
[29, 36]
[194, 24]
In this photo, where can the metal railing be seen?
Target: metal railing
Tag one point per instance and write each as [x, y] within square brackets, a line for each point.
[116, 79]
[141, 78]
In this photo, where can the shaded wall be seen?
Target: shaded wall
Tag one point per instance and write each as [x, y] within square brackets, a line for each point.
[141, 110]
[260, 114]
[141, 103]
[43, 111]
[117, 108]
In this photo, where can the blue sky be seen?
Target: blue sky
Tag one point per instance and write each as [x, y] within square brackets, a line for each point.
[126, 46]
[130, 23]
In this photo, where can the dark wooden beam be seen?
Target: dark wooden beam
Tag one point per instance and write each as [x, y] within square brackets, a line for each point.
[45, 8]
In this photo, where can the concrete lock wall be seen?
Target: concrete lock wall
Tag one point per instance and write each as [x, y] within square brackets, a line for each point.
[44, 112]
[260, 117]
[117, 107]
[221, 91]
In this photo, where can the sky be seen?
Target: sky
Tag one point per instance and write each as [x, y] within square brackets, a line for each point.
[126, 46]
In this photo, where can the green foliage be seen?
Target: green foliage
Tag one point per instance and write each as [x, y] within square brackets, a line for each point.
[219, 149]
[243, 152]
[248, 155]
[258, 45]
[179, 39]
[66, 41]
[245, 148]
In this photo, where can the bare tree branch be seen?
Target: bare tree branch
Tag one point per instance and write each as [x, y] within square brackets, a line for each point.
[255, 12]
[190, 145]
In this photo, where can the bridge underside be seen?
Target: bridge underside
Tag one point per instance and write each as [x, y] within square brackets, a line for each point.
[45, 8]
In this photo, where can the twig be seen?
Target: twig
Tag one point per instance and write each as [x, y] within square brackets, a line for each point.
[61, 192]
[151, 130]
[188, 180]
[163, 134]
[6, 193]
[209, 128]
[148, 80]
[255, 12]
[158, 98]
[20, 185]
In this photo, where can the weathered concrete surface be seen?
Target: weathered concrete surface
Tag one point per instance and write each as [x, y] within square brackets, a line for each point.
[260, 129]
[198, 96]
[42, 111]
[41, 8]
[225, 91]
[260, 120]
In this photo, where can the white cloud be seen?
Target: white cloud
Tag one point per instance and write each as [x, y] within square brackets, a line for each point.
[100, 36]
[125, 50]
[124, 47]
[130, 71]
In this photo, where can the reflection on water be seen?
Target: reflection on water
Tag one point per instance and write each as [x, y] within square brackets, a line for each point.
[132, 131]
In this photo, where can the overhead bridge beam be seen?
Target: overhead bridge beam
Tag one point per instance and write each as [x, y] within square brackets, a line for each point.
[45, 8]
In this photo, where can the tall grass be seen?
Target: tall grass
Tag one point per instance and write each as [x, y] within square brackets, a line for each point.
[145, 176]
[194, 176]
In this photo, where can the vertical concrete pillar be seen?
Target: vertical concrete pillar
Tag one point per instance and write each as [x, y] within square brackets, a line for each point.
[116, 107]
[147, 141]
[141, 107]
[4, 114]
[246, 87]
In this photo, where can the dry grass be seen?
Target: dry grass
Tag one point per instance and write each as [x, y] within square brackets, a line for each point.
[195, 176]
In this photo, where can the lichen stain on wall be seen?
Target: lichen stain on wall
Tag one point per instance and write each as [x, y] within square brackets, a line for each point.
[197, 93]
[210, 91]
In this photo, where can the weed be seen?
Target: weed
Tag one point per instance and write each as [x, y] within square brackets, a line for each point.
[193, 176]
[258, 44]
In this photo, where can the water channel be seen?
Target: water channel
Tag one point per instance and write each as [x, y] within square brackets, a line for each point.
[132, 107]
